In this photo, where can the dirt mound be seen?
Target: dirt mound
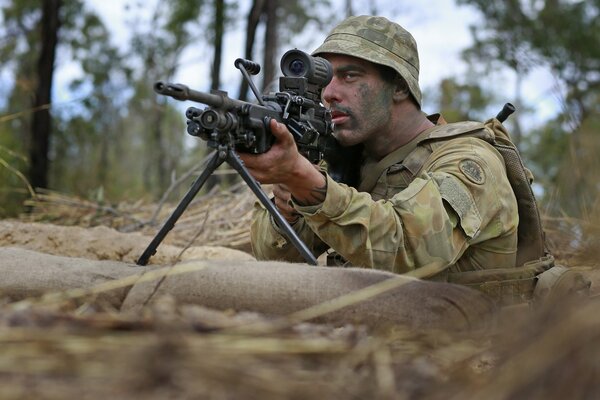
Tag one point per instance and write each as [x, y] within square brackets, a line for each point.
[102, 243]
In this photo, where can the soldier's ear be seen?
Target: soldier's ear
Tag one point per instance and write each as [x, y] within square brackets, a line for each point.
[400, 94]
[401, 91]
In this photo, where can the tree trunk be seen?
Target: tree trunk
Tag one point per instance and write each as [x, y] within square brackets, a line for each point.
[155, 174]
[517, 132]
[256, 11]
[160, 154]
[349, 8]
[41, 124]
[219, 28]
[269, 63]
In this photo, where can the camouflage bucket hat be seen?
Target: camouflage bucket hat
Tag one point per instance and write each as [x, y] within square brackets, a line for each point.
[380, 41]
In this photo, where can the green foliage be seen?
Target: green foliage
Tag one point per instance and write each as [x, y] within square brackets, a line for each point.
[562, 34]
[18, 47]
[565, 36]
[230, 20]
[298, 14]
[159, 43]
[463, 101]
[14, 188]
[566, 163]
[18, 53]
[112, 136]
[121, 139]
[500, 39]
[88, 137]
[158, 48]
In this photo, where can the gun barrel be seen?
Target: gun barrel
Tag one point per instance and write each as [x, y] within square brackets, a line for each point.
[182, 92]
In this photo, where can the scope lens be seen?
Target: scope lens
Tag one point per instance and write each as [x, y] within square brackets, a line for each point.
[298, 64]
[297, 67]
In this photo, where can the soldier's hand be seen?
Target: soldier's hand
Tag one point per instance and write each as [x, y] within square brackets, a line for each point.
[283, 164]
[283, 201]
[280, 162]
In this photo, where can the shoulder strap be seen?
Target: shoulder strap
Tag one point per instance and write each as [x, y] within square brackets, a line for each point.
[414, 161]
[373, 171]
[413, 155]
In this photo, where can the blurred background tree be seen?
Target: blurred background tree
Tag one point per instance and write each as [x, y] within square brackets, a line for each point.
[30, 30]
[564, 36]
[117, 139]
[281, 20]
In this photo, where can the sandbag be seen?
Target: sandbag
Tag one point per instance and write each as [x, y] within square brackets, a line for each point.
[27, 273]
[271, 288]
[280, 288]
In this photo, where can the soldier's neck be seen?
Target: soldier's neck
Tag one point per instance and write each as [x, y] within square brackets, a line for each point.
[407, 126]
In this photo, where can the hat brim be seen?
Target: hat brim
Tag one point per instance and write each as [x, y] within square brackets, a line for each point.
[356, 46]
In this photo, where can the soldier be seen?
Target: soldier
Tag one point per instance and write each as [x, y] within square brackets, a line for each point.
[431, 195]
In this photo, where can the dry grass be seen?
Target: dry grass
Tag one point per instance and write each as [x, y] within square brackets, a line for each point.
[173, 351]
[575, 241]
[222, 218]
[218, 218]
[78, 349]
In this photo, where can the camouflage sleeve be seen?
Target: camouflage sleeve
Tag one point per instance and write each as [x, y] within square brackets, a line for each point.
[269, 242]
[431, 222]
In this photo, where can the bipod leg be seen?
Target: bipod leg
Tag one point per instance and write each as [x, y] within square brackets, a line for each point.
[218, 159]
[238, 165]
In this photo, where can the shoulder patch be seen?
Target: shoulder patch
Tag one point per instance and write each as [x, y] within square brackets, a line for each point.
[472, 171]
[456, 194]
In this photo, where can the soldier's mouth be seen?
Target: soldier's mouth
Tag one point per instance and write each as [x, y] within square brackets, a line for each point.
[338, 117]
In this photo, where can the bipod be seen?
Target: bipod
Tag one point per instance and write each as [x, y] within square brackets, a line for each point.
[225, 153]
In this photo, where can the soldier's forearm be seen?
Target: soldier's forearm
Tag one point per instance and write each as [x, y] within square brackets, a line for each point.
[308, 186]
[269, 243]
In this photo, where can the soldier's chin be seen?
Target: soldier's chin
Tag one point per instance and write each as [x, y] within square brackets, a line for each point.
[344, 138]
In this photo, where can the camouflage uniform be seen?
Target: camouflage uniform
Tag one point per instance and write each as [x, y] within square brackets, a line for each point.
[457, 210]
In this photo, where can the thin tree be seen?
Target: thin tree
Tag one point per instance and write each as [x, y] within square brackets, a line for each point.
[271, 41]
[349, 8]
[253, 20]
[219, 28]
[41, 125]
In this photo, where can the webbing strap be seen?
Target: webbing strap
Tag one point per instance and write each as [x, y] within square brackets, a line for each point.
[505, 285]
[373, 172]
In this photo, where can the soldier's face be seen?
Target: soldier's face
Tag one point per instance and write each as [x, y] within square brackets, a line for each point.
[359, 99]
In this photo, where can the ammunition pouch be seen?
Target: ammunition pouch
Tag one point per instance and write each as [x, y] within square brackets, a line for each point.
[535, 282]
[560, 283]
[507, 286]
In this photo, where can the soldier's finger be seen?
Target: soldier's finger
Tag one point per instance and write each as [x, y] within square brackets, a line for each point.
[280, 192]
[280, 131]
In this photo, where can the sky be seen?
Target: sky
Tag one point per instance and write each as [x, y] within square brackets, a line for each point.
[436, 60]
[440, 28]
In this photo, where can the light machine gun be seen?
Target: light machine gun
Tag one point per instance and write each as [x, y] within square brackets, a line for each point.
[230, 125]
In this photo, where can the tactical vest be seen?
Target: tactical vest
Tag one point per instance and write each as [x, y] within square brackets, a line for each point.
[506, 285]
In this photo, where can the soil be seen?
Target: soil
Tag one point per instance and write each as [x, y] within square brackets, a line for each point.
[102, 243]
